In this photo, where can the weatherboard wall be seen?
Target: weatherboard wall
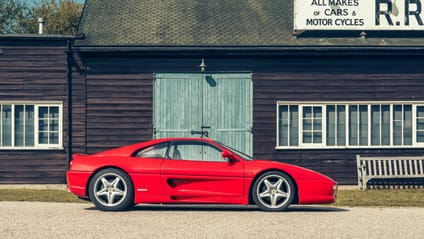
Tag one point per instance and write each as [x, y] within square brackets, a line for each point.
[33, 69]
[119, 97]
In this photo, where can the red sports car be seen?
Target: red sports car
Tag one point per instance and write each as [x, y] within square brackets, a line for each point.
[192, 170]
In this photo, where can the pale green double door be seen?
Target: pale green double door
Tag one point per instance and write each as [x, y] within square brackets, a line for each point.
[217, 106]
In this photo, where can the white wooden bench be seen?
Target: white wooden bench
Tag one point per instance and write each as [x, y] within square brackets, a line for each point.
[390, 170]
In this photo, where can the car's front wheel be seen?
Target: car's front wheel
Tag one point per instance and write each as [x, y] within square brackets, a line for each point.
[111, 190]
[273, 191]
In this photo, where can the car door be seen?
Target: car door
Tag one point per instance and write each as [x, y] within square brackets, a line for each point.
[197, 172]
[146, 173]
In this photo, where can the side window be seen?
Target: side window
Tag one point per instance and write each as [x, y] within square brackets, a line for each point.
[154, 151]
[195, 151]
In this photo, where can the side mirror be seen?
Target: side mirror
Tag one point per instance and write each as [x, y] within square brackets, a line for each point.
[227, 154]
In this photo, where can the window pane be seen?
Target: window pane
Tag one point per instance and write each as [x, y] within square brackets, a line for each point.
[317, 112]
[29, 125]
[284, 125]
[155, 151]
[307, 112]
[380, 125]
[294, 125]
[43, 125]
[54, 125]
[43, 112]
[336, 125]
[19, 125]
[358, 125]
[307, 138]
[363, 125]
[54, 138]
[196, 152]
[307, 124]
[420, 136]
[375, 125]
[331, 125]
[48, 124]
[43, 138]
[420, 124]
[317, 125]
[397, 124]
[6, 125]
[288, 125]
[353, 125]
[385, 125]
[317, 137]
[312, 124]
[407, 125]
[212, 154]
[420, 111]
[54, 112]
[341, 125]
[188, 152]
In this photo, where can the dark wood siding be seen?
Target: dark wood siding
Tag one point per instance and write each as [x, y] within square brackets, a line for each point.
[33, 71]
[119, 97]
[332, 79]
[79, 106]
[119, 110]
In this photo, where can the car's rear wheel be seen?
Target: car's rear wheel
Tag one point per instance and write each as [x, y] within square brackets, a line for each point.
[273, 191]
[111, 190]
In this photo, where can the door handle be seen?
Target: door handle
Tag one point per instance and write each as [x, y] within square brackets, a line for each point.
[201, 132]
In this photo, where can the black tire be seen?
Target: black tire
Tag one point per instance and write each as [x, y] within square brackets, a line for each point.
[111, 190]
[273, 191]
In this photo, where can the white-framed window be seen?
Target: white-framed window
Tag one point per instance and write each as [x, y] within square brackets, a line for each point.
[419, 115]
[30, 125]
[336, 125]
[349, 124]
[288, 125]
[312, 125]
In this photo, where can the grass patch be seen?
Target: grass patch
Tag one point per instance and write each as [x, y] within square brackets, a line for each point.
[381, 198]
[345, 198]
[38, 195]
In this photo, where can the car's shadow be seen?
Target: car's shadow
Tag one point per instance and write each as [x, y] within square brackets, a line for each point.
[228, 208]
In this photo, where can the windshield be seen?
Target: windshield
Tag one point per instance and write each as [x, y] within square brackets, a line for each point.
[239, 153]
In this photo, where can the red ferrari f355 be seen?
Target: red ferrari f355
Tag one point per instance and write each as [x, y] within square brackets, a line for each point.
[192, 170]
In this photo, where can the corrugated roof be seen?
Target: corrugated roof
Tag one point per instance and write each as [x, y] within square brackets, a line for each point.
[214, 23]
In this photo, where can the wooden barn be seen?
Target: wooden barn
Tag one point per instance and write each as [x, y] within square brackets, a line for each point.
[235, 71]
[33, 106]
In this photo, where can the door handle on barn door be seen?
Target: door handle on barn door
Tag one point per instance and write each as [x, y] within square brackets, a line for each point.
[201, 132]
[205, 127]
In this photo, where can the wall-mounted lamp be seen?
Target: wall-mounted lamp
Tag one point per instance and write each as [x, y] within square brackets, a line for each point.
[202, 66]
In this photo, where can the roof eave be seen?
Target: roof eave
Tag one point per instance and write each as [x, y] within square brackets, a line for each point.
[255, 50]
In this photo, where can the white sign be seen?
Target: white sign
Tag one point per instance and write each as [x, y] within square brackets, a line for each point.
[358, 15]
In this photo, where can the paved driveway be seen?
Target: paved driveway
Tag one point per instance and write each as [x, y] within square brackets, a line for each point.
[66, 220]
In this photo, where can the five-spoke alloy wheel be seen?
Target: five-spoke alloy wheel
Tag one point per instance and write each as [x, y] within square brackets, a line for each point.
[273, 191]
[111, 190]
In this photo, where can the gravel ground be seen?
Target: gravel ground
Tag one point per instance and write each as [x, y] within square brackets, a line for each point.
[67, 220]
